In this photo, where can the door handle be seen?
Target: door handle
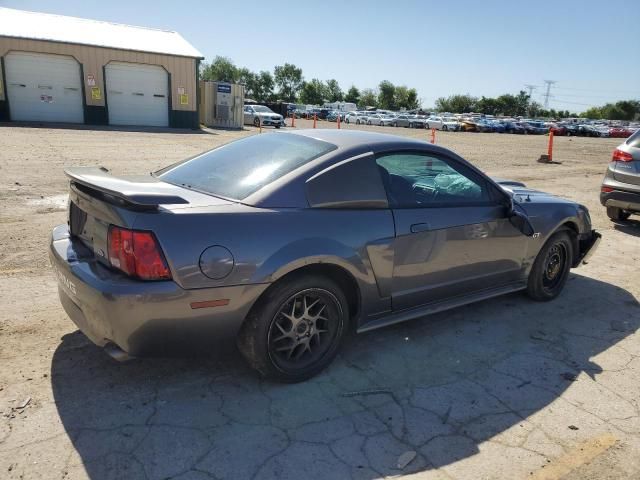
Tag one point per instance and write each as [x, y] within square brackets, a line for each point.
[420, 227]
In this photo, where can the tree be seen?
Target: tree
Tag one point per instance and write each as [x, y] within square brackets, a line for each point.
[406, 98]
[334, 93]
[314, 92]
[222, 69]
[368, 98]
[514, 105]
[456, 104]
[289, 80]
[386, 95]
[593, 112]
[412, 99]
[250, 81]
[489, 106]
[534, 109]
[353, 95]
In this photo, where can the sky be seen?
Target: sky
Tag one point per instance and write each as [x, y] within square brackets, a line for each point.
[489, 47]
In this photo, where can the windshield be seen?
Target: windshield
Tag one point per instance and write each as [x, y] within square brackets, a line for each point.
[263, 109]
[240, 168]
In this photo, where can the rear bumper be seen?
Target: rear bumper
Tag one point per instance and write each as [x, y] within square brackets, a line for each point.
[142, 318]
[270, 122]
[618, 198]
[588, 244]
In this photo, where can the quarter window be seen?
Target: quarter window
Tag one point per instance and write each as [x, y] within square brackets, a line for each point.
[420, 181]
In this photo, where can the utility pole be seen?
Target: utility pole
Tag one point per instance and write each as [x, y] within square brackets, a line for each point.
[547, 94]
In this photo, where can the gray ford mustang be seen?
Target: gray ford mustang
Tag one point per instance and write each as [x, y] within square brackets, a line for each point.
[287, 242]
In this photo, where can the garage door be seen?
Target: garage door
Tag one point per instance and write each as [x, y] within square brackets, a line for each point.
[44, 87]
[137, 94]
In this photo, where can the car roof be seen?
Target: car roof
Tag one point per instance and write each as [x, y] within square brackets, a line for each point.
[345, 139]
[288, 191]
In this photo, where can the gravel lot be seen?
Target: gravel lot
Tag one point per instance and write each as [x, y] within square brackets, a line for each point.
[504, 389]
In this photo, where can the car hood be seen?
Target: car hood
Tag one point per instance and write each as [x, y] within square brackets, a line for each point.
[524, 195]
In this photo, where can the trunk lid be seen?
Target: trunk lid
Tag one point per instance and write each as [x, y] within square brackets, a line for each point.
[98, 199]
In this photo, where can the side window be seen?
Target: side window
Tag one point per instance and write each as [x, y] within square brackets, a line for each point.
[352, 183]
[414, 180]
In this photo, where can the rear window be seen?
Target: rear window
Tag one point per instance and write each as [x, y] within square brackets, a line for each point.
[634, 140]
[240, 168]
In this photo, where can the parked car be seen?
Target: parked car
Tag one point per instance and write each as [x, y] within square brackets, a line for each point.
[484, 126]
[620, 191]
[588, 131]
[410, 121]
[496, 126]
[452, 122]
[535, 128]
[259, 114]
[514, 127]
[572, 129]
[620, 132]
[354, 117]
[380, 119]
[439, 123]
[559, 130]
[469, 125]
[144, 264]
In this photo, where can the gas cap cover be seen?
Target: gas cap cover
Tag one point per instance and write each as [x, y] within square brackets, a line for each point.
[216, 262]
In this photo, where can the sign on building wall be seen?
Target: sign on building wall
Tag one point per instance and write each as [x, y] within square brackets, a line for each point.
[184, 99]
[96, 94]
[91, 80]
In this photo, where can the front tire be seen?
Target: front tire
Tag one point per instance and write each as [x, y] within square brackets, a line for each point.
[551, 267]
[617, 214]
[296, 329]
[444, 128]
[256, 122]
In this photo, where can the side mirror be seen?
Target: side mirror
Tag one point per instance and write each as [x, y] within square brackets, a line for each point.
[520, 221]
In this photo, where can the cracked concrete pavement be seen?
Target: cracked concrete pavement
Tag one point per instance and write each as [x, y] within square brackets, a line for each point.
[502, 389]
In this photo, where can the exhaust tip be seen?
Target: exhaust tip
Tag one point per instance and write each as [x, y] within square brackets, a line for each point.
[115, 352]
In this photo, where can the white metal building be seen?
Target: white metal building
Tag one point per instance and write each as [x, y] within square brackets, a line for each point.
[56, 68]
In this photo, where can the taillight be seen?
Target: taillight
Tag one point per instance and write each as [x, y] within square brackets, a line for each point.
[137, 254]
[620, 156]
[604, 189]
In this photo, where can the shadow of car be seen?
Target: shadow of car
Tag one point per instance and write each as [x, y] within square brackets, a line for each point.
[439, 386]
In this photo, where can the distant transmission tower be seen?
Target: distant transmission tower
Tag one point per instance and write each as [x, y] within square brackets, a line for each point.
[531, 88]
[547, 94]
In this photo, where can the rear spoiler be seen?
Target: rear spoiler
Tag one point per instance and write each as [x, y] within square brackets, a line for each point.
[142, 192]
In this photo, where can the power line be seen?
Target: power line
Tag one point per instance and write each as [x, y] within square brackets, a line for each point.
[555, 100]
[599, 90]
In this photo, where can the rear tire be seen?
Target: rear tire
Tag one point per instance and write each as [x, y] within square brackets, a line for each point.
[617, 214]
[551, 267]
[444, 128]
[296, 329]
[256, 122]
